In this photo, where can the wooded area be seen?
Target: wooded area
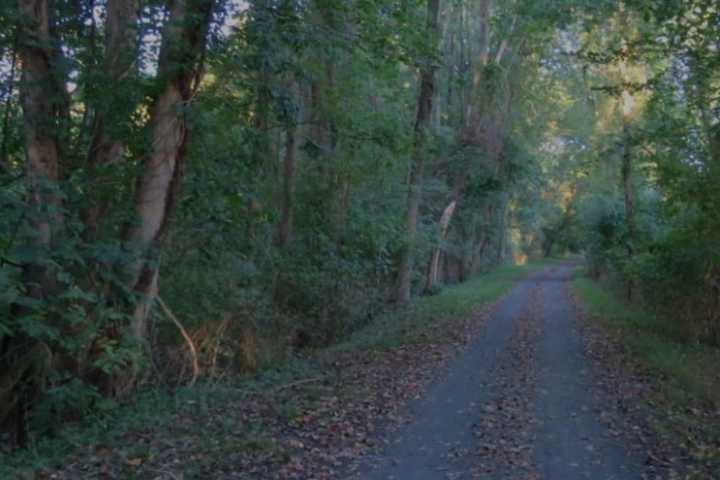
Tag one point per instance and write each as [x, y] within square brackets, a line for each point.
[200, 188]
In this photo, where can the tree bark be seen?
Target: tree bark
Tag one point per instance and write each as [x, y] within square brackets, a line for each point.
[627, 106]
[502, 229]
[414, 196]
[434, 267]
[179, 72]
[288, 180]
[42, 150]
[4, 164]
[263, 152]
[39, 100]
[629, 198]
[478, 253]
[323, 104]
[474, 110]
[107, 148]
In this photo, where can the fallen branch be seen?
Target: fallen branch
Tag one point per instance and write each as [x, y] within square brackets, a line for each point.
[186, 336]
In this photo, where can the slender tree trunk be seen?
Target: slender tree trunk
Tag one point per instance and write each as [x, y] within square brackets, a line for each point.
[288, 179]
[502, 229]
[42, 150]
[4, 163]
[107, 148]
[445, 218]
[549, 244]
[462, 268]
[504, 44]
[474, 106]
[451, 79]
[39, 97]
[61, 96]
[445, 267]
[712, 135]
[340, 192]
[179, 72]
[324, 132]
[283, 234]
[263, 154]
[629, 198]
[422, 121]
[702, 100]
[480, 243]
[627, 105]
[478, 253]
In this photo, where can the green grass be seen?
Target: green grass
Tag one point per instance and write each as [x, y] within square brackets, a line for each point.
[685, 374]
[409, 325]
[689, 370]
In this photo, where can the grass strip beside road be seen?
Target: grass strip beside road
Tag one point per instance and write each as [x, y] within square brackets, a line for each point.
[685, 393]
[453, 303]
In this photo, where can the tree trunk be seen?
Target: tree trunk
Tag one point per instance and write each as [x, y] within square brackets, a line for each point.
[4, 163]
[478, 253]
[502, 229]
[414, 196]
[629, 198]
[549, 244]
[288, 179]
[434, 267]
[106, 148]
[324, 131]
[39, 100]
[263, 154]
[627, 103]
[179, 73]
[42, 150]
[462, 269]
[474, 106]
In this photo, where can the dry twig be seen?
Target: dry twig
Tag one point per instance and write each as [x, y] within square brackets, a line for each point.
[186, 336]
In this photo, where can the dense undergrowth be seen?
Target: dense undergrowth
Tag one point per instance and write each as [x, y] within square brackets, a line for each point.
[430, 319]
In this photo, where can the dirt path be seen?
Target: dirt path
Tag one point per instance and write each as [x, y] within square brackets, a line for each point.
[520, 403]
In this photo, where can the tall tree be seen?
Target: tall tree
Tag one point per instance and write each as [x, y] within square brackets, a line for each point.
[106, 145]
[422, 123]
[42, 107]
[180, 70]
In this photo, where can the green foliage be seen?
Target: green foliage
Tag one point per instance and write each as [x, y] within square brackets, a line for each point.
[303, 123]
[665, 252]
